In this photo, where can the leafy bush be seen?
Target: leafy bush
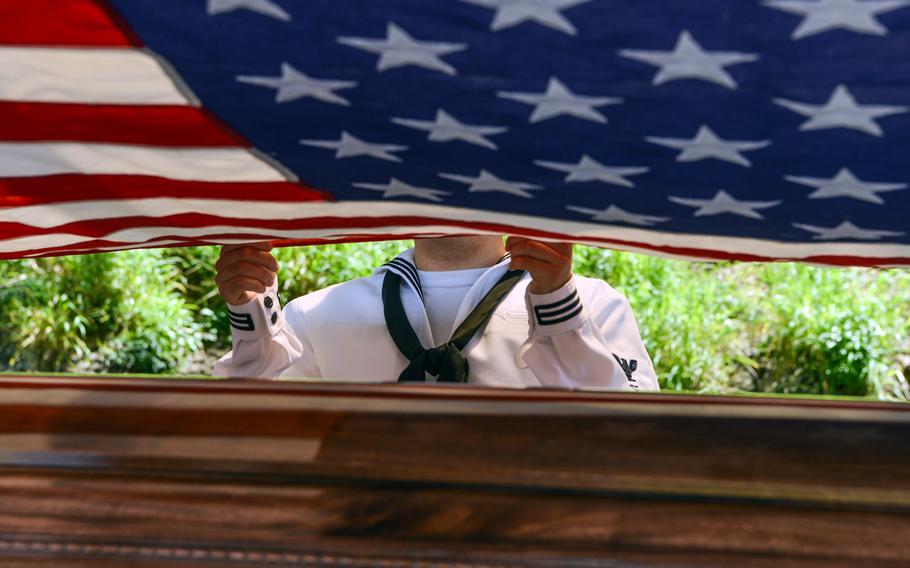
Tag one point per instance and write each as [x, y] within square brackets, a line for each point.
[52, 310]
[118, 312]
[155, 327]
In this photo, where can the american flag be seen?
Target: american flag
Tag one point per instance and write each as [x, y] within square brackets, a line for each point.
[709, 129]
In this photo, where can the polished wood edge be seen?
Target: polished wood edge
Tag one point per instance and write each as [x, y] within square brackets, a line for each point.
[676, 403]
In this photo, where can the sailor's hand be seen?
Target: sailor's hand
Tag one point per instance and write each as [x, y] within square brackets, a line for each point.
[550, 264]
[245, 271]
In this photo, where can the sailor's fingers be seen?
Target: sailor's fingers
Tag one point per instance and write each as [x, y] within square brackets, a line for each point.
[553, 253]
[241, 290]
[549, 264]
[248, 254]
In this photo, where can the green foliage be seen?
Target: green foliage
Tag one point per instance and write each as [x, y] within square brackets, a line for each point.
[119, 312]
[785, 328]
[196, 265]
[51, 310]
[155, 328]
[722, 327]
[834, 331]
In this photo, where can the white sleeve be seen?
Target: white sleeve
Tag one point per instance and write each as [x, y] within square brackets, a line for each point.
[572, 345]
[264, 344]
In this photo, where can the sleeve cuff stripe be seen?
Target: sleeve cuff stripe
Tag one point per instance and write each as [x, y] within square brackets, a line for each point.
[566, 317]
[243, 322]
[547, 314]
[569, 298]
[243, 327]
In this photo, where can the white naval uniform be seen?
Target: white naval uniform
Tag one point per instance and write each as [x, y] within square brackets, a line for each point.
[582, 335]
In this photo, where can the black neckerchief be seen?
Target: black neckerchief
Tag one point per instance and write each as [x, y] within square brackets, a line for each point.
[445, 361]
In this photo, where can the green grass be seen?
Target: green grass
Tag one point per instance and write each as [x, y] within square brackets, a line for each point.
[711, 328]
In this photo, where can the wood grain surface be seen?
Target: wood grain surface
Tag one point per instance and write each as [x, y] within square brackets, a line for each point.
[114, 472]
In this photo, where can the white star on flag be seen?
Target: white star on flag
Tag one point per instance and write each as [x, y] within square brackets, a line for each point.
[446, 128]
[486, 181]
[349, 146]
[845, 184]
[589, 169]
[846, 230]
[558, 100]
[264, 7]
[723, 202]
[689, 61]
[399, 49]
[293, 85]
[706, 144]
[824, 15]
[545, 12]
[842, 111]
[397, 188]
[614, 214]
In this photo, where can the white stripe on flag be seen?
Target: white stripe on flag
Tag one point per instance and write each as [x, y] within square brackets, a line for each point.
[32, 159]
[132, 246]
[33, 242]
[140, 236]
[94, 76]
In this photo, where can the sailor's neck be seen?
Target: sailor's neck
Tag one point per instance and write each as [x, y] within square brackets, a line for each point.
[457, 253]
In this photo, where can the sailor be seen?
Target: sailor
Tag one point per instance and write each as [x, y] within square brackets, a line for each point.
[451, 309]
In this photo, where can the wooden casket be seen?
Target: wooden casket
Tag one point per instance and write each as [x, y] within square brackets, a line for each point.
[140, 472]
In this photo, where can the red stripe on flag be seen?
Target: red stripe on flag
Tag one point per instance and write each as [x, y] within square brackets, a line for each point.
[114, 124]
[19, 192]
[72, 23]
